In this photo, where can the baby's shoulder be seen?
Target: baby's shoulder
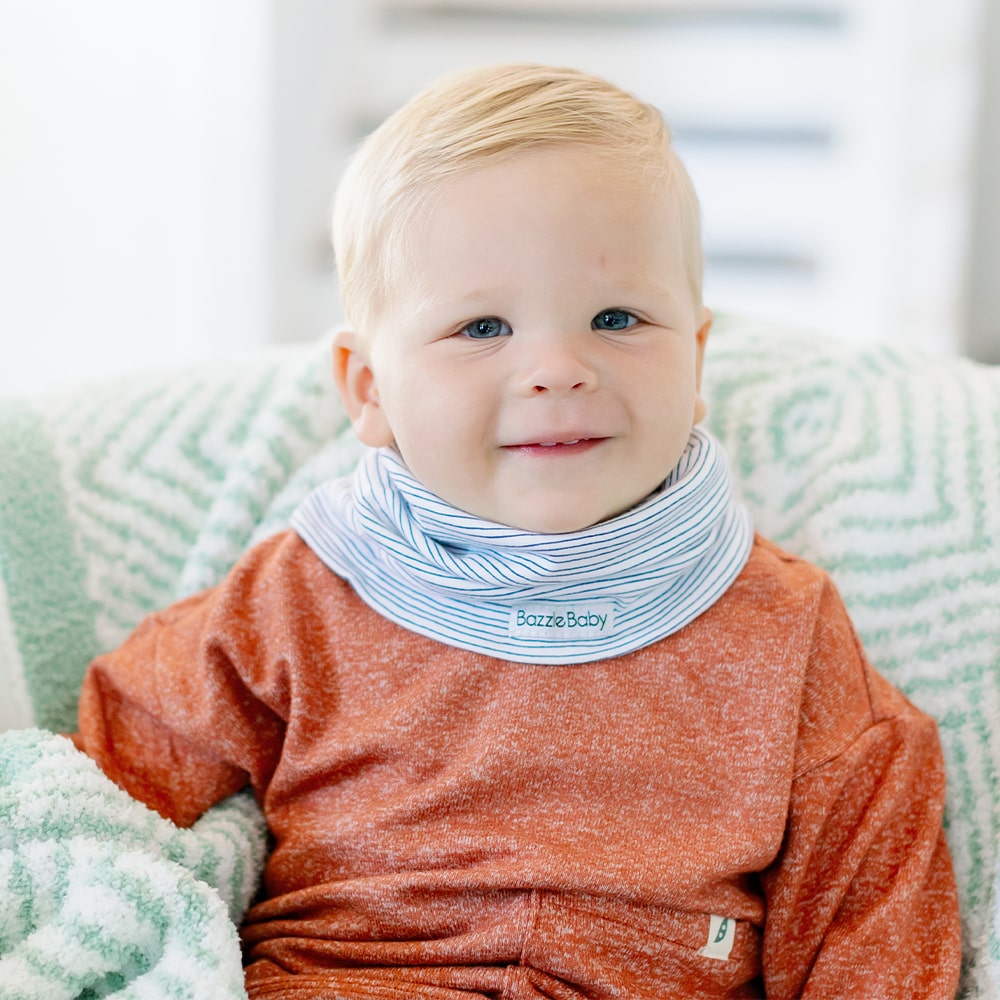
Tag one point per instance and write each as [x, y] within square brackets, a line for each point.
[788, 583]
[281, 573]
[771, 557]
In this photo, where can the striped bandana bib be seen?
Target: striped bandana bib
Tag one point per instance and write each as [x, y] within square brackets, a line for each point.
[533, 598]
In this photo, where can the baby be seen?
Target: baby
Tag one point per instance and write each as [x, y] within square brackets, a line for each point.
[529, 708]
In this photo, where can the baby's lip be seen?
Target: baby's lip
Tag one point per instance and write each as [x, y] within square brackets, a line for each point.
[564, 440]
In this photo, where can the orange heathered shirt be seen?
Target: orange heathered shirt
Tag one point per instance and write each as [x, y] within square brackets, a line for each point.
[451, 825]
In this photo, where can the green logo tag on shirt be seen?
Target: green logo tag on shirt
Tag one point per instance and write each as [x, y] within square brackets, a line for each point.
[721, 937]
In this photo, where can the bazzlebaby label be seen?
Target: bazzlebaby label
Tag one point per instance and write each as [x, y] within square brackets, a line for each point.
[561, 622]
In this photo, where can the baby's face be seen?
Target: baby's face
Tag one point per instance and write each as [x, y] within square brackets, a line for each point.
[540, 364]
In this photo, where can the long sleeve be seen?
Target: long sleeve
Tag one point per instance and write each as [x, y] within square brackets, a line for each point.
[190, 708]
[862, 901]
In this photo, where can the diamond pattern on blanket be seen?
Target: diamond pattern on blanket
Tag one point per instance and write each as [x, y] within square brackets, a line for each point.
[163, 472]
[884, 467]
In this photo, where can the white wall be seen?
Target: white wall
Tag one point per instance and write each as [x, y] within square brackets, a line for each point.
[831, 141]
[166, 168]
[984, 253]
[134, 184]
[909, 170]
[316, 63]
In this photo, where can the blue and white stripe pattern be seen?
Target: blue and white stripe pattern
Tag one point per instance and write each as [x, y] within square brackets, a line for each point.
[533, 598]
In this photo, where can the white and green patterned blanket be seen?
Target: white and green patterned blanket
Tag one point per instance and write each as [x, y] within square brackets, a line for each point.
[117, 499]
[101, 897]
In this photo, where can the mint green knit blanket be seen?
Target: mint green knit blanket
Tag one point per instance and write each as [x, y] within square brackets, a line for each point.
[881, 465]
[102, 897]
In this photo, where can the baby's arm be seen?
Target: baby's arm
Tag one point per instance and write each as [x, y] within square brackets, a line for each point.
[184, 713]
[862, 901]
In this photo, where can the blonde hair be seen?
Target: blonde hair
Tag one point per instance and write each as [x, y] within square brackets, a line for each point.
[469, 119]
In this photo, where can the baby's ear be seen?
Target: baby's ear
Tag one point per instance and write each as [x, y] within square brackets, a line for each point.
[355, 379]
[701, 338]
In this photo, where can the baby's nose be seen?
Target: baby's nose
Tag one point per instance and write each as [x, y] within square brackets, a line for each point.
[558, 367]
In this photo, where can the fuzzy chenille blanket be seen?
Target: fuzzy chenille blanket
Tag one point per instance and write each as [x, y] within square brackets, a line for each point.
[116, 499]
[102, 897]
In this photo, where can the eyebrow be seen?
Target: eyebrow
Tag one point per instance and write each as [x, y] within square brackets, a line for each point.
[464, 302]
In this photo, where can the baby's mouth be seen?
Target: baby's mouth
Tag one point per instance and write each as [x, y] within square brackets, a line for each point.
[568, 446]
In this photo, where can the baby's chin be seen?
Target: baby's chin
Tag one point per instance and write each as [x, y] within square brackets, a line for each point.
[564, 520]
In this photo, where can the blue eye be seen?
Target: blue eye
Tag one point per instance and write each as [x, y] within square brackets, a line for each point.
[486, 328]
[613, 319]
